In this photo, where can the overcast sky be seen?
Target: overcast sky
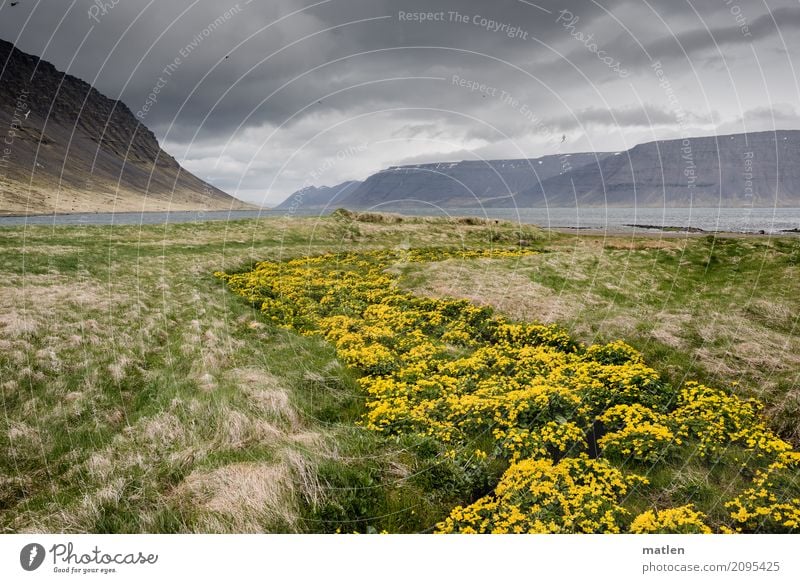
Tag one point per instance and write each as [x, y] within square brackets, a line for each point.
[264, 97]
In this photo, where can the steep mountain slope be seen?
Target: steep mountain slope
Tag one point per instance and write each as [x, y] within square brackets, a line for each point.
[757, 169]
[67, 148]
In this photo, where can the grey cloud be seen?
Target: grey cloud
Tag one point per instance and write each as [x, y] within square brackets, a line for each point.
[778, 116]
[261, 119]
[628, 116]
[779, 113]
[701, 39]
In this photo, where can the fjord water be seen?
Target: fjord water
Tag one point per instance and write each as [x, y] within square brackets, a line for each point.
[741, 220]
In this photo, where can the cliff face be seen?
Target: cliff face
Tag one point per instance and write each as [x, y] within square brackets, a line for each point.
[743, 170]
[472, 183]
[757, 169]
[469, 183]
[68, 148]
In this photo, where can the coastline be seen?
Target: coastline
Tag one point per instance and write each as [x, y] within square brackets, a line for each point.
[681, 223]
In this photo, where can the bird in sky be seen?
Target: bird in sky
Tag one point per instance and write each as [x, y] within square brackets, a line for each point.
[563, 138]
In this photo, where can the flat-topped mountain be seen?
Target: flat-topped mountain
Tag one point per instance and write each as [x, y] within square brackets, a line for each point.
[65, 147]
[742, 170]
[756, 169]
[470, 183]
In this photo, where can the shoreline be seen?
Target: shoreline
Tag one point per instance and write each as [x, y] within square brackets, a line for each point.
[106, 218]
[664, 234]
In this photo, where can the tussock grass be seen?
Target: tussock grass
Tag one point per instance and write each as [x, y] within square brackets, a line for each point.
[139, 395]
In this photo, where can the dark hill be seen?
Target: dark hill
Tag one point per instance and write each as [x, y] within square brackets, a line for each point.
[68, 148]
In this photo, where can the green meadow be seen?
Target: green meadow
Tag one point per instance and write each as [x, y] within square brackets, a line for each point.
[140, 395]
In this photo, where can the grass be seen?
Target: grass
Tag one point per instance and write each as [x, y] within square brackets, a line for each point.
[720, 310]
[139, 395]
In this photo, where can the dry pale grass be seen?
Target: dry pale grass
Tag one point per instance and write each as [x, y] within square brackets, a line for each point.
[21, 434]
[49, 290]
[733, 342]
[774, 313]
[622, 241]
[161, 431]
[16, 323]
[233, 497]
[668, 329]
[241, 497]
[257, 496]
[513, 294]
[32, 305]
[237, 431]
[118, 368]
[266, 394]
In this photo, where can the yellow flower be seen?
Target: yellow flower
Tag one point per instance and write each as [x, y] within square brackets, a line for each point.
[681, 520]
[525, 395]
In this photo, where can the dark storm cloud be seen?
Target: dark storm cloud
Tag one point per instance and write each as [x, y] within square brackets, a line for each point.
[766, 26]
[257, 93]
[125, 50]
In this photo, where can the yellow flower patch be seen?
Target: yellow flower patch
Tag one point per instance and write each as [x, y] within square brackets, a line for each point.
[538, 496]
[681, 520]
[769, 505]
[524, 396]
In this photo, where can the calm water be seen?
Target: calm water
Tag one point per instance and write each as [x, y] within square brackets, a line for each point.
[744, 220]
[709, 219]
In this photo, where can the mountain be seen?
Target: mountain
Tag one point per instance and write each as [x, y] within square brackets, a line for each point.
[755, 169]
[313, 197]
[760, 169]
[64, 147]
[469, 183]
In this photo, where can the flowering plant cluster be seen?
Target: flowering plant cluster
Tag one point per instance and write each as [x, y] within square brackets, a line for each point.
[772, 503]
[538, 496]
[524, 395]
[681, 520]
[637, 432]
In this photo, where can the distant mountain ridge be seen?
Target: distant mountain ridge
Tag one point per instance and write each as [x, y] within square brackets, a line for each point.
[68, 148]
[470, 183]
[312, 197]
[760, 169]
